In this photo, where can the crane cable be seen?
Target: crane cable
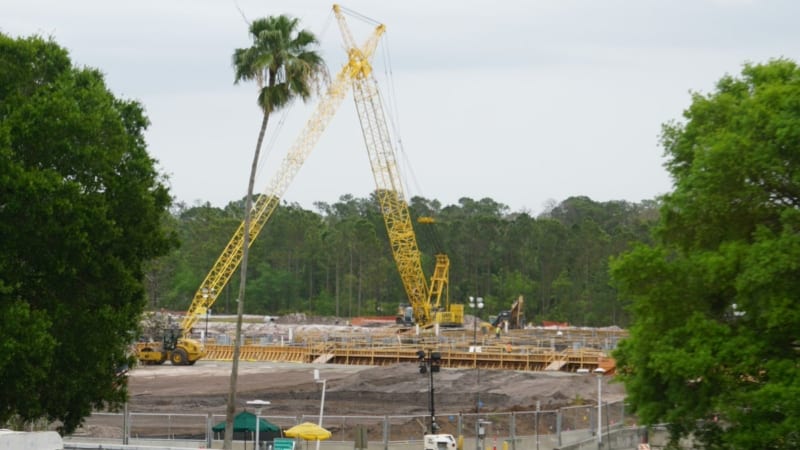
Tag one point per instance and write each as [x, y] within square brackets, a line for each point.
[429, 228]
[276, 131]
[273, 135]
[359, 16]
[390, 96]
[395, 127]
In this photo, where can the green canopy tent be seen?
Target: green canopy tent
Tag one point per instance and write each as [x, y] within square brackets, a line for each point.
[244, 428]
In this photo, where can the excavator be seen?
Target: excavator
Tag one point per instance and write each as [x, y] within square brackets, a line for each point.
[177, 345]
[424, 299]
[514, 317]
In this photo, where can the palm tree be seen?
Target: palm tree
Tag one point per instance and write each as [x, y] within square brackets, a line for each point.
[284, 67]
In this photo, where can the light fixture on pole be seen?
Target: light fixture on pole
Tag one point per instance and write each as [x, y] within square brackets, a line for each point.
[429, 364]
[599, 372]
[258, 404]
[476, 304]
[322, 399]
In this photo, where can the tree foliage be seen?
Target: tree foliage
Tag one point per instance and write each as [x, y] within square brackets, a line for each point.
[714, 345]
[81, 207]
[337, 260]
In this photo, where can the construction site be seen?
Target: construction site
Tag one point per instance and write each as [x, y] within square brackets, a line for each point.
[374, 342]
[427, 319]
[530, 384]
[525, 366]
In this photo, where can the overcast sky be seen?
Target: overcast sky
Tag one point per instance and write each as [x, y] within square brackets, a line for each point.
[520, 101]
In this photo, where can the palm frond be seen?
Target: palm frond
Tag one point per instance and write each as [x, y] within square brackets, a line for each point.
[281, 60]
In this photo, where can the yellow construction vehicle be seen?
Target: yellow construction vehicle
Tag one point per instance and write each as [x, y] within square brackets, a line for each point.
[172, 346]
[425, 300]
[179, 347]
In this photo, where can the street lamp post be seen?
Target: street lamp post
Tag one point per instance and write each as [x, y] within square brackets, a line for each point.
[207, 293]
[429, 363]
[599, 372]
[476, 303]
[258, 404]
[322, 399]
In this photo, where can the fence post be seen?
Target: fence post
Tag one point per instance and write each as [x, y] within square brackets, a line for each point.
[558, 426]
[536, 422]
[126, 429]
[209, 431]
[385, 432]
[512, 430]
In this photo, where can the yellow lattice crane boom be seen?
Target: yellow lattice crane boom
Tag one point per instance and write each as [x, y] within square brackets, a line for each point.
[424, 299]
[185, 350]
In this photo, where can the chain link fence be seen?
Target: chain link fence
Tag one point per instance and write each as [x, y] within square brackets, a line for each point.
[541, 429]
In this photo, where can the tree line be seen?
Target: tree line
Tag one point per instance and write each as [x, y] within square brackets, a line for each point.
[336, 260]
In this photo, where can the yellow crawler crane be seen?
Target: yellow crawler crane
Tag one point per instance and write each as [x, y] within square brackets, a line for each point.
[424, 299]
[183, 350]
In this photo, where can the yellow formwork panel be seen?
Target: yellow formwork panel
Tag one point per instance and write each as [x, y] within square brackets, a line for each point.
[500, 357]
[259, 353]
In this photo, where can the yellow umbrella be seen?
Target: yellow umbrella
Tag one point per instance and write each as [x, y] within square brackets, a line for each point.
[308, 431]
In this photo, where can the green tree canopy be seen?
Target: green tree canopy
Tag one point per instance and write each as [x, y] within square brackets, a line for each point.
[714, 345]
[80, 213]
[338, 261]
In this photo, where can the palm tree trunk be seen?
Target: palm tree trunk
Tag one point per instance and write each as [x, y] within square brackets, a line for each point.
[230, 411]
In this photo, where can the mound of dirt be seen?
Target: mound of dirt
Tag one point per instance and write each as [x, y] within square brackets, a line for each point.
[356, 390]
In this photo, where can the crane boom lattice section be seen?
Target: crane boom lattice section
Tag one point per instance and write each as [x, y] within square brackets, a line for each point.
[266, 203]
[392, 202]
[390, 191]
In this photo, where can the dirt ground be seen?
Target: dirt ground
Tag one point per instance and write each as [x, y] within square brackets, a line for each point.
[352, 390]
